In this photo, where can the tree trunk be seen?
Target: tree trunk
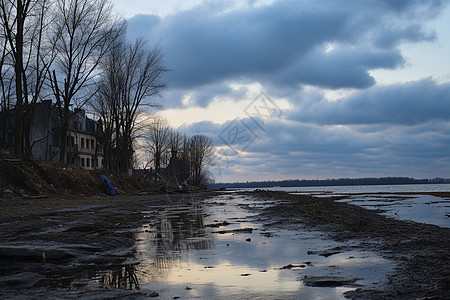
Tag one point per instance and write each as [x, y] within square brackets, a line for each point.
[18, 68]
[26, 134]
[64, 128]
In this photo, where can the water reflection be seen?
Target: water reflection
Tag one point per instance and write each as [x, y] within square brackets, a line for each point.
[124, 278]
[170, 231]
[180, 257]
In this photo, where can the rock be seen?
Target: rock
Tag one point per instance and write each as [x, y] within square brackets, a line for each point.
[218, 224]
[324, 253]
[291, 266]
[328, 281]
[238, 230]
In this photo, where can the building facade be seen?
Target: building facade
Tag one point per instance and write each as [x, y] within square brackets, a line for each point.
[83, 137]
[83, 146]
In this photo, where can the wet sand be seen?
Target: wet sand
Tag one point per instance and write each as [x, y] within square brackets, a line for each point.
[46, 243]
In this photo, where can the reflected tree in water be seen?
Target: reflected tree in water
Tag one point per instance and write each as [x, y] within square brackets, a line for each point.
[172, 231]
[124, 278]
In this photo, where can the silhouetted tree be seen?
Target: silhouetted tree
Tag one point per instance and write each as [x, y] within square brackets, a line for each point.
[40, 57]
[175, 139]
[131, 78]
[86, 32]
[7, 87]
[200, 150]
[158, 136]
[14, 15]
[28, 45]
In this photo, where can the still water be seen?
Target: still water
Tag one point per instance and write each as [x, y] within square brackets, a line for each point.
[223, 250]
[358, 189]
[423, 208]
[418, 208]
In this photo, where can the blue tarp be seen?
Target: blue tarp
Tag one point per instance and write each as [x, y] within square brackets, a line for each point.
[109, 189]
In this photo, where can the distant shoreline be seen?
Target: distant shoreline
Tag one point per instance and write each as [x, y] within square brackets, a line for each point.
[331, 182]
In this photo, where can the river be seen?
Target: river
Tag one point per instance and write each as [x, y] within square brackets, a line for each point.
[394, 200]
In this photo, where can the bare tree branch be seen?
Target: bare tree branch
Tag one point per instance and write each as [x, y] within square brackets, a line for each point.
[86, 33]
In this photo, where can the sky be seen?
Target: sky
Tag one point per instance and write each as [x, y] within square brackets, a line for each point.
[306, 89]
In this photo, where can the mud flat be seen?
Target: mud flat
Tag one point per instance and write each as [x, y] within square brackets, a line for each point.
[55, 248]
[132, 246]
[420, 250]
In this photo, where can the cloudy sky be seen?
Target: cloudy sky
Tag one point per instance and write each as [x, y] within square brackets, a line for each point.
[307, 88]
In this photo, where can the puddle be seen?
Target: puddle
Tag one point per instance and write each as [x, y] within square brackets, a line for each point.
[238, 258]
[424, 208]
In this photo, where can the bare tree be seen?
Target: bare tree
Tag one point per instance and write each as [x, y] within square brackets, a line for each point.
[86, 32]
[107, 104]
[158, 141]
[25, 25]
[7, 87]
[131, 77]
[41, 54]
[175, 140]
[13, 17]
[5, 72]
[200, 151]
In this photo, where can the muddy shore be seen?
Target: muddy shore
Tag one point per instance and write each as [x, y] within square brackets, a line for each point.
[48, 242]
[421, 250]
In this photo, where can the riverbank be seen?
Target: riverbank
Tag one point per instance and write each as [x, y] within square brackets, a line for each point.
[56, 246]
[30, 178]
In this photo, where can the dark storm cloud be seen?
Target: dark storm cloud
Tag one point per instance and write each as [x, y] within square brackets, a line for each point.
[340, 68]
[284, 42]
[407, 104]
[295, 149]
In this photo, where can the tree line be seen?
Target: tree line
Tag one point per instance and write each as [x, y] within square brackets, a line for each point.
[331, 182]
[163, 142]
[75, 53]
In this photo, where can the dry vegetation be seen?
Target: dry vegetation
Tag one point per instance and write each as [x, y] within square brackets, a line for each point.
[28, 177]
